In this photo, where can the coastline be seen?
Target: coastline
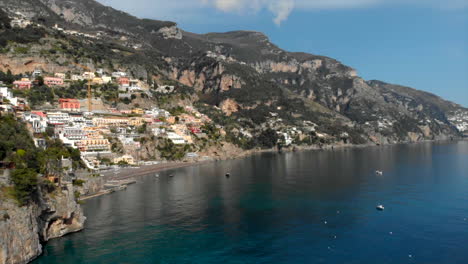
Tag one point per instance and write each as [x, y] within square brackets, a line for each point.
[313, 185]
[129, 175]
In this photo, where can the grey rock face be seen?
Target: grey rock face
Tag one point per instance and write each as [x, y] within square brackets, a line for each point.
[22, 229]
[170, 32]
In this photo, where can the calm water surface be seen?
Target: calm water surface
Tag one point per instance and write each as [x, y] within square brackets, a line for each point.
[308, 207]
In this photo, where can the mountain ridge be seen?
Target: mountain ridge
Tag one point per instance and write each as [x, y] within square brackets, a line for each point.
[245, 69]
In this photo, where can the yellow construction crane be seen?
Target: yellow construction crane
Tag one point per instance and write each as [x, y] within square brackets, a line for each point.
[90, 105]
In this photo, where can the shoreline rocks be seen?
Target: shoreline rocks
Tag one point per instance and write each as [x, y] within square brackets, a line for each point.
[23, 229]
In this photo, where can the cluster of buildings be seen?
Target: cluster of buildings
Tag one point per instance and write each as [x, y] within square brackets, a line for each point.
[460, 119]
[9, 102]
[26, 83]
[77, 33]
[92, 133]
[126, 84]
[288, 134]
[18, 20]
[98, 78]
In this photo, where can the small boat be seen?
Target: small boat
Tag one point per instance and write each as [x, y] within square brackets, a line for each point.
[380, 207]
[228, 175]
[171, 175]
[156, 175]
[378, 172]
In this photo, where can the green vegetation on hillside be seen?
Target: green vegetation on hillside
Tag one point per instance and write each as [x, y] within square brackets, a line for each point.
[17, 147]
[8, 34]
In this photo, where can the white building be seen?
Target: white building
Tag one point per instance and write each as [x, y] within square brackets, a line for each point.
[76, 118]
[119, 74]
[70, 135]
[165, 89]
[129, 141]
[176, 139]
[73, 133]
[158, 131]
[76, 77]
[106, 79]
[7, 94]
[60, 75]
[88, 75]
[36, 73]
[56, 27]
[58, 118]
[287, 139]
[156, 112]
[20, 22]
[38, 123]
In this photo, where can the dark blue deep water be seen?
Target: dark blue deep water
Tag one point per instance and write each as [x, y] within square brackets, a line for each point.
[307, 207]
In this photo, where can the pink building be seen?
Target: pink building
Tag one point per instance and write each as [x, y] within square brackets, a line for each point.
[51, 81]
[22, 85]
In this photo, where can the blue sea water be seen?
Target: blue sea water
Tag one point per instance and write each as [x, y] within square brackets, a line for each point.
[306, 207]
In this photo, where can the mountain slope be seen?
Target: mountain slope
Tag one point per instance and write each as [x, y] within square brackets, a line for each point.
[252, 80]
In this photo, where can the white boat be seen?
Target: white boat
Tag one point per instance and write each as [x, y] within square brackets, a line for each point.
[380, 207]
[379, 172]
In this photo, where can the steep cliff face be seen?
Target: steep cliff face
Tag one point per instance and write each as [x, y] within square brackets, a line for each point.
[23, 229]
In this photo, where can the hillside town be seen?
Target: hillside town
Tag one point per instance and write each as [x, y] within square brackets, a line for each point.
[97, 133]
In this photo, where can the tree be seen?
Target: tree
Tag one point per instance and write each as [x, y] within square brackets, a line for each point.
[122, 163]
[126, 100]
[40, 80]
[142, 129]
[268, 138]
[25, 185]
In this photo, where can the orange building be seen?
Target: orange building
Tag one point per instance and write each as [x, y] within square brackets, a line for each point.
[69, 104]
[124, 81]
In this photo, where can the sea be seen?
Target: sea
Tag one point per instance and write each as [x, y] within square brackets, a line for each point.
[303, 207]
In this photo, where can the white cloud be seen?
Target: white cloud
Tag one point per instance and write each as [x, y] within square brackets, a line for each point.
[280, 9]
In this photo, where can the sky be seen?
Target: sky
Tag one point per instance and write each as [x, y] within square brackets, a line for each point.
[418, 43]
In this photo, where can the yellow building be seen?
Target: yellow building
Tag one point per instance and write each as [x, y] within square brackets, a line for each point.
[136, 121]
[111, 121]
[138, 111]
[89, 145]
[171, 120]
[125, 158]
[97, 80]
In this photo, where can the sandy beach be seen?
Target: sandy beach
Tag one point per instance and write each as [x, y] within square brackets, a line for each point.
[132, 172]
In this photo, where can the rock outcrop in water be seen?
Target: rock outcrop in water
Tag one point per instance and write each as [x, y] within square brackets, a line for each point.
[23, 229]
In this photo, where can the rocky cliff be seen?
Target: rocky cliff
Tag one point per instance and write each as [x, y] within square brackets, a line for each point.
[23, 229]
